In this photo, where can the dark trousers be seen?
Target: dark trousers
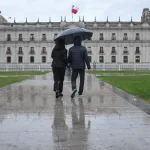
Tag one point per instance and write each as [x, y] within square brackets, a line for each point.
[59, 74]
[74, 76]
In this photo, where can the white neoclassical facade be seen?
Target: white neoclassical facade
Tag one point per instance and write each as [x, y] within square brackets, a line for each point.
[112, 42]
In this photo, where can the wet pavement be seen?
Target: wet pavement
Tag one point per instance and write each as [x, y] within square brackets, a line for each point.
[32, 119]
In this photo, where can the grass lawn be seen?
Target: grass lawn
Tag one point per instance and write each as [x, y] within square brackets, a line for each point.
[9, 73]
[135, 85]
[17, 76]
[122, 72]
[9, 80]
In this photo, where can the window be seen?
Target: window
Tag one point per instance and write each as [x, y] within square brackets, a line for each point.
[125, 59]
[113, 36]
[20, 50]
[44, 50]
[137, 36]
[55, 35]
[101, 36]
[90, 58]
[8, 37]
[32, 59]
[32, 37]
[137, 51]
[32, 50]
[101, 59]
[20, 37]
[89, 50]
[125, 36]
[9, 59]
[137, 59]
[101, 51]
[20, 60]
[125, 50]
[8, 50]
[44, 37]
[113, 50]
[113, 59]
[43, 59]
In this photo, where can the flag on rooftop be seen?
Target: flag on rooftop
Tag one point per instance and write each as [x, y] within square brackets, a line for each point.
[74, 9]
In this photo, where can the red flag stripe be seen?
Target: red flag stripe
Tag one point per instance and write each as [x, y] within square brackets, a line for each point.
[74, 11]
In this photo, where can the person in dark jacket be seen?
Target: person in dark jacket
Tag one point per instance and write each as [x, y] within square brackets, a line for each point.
[59, 56]
[77, 58]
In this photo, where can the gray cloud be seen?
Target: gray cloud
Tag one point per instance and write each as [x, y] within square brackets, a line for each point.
[87, 8]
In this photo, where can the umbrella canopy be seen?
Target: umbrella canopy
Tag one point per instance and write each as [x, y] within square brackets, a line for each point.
[69, 34]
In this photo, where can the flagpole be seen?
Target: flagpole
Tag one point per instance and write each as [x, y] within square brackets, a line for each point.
[74, 10]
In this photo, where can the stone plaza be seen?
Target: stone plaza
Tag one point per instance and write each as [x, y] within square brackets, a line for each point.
[103, 119]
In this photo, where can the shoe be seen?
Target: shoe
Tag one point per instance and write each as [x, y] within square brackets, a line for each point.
[61, 95]
[80, 94]
[57, 95]
[73, 93]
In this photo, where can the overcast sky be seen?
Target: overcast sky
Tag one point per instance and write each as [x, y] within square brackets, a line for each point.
[32, 9]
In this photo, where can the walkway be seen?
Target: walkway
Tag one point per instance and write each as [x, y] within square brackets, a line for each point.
[32, 119]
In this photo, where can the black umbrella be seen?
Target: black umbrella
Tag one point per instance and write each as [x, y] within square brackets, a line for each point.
[69, 34]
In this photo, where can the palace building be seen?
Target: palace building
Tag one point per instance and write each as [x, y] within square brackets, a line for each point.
[112, 42]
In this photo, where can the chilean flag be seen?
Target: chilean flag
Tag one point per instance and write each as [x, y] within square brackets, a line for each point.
[74, 9]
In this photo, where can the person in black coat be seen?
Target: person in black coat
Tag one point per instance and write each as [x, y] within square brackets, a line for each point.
[59, 56]
[78, 58]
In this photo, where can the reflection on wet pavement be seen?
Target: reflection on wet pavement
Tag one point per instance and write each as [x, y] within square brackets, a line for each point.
[32, 119]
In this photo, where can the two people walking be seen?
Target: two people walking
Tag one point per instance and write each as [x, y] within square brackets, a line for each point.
[77, 58]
